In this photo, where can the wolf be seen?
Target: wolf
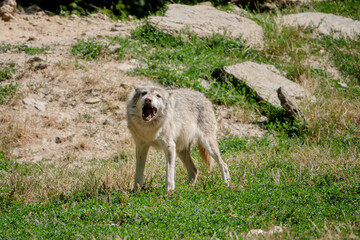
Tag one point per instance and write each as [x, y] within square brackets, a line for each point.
[173, 120]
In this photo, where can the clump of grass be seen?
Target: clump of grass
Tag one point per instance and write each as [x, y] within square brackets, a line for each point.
[7, 92]
[345, 54]
[6, 72]
[89, 49]
[5, 48]
[345, 8]
[24, 48]
[31, 50]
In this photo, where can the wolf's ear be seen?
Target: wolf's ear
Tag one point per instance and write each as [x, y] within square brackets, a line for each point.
[136, 88]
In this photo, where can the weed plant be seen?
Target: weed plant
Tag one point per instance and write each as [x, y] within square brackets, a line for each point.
[23, 48]
[89, 49]
[7, 92]
[5, 73]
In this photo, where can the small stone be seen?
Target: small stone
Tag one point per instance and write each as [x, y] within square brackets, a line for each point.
[276, 229]
[114, 49]
[64, 139]
[255, 232]
[40, 66]
[114, 29]
[32, 9]
[37, 104]
[342, 84]
[8, 10]
[129, 65]
[35, 59]
[92, 100]
[31, 38]
[57, 140]
[205, 84]
[73, 17]
[205, 4]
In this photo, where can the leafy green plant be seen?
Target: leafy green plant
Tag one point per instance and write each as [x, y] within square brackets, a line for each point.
[345, 8]
[7, 91]
[5, 48]
[31, 50]
[24, 48]
[89, 49]
[6, 72]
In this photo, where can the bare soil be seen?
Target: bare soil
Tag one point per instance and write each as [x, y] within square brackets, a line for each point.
[69, 109]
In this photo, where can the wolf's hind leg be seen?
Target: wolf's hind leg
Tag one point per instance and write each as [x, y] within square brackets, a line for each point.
[210, 144]
[185, 157]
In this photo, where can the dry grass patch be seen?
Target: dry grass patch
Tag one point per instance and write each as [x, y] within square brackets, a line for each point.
[46, 181]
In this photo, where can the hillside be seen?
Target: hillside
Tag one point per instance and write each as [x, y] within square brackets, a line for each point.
[67, 158]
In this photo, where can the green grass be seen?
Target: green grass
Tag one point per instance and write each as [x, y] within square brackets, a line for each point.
[345, 54]
[7, 92]
[5, 72]
[345, 8]
[306, 201]
[24, 48]
[89, 50]
[5, 48]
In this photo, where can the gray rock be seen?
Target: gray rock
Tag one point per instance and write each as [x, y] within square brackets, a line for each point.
[64, 139]
[32, 9]
[40, 66]
[129, 65]
[204, 83]
[8, 10]
[35, 103]
[206, 20]
[92, 100]
[325, 24]
[274, 230]
[35, 59]
[265, 82]
[289, 104]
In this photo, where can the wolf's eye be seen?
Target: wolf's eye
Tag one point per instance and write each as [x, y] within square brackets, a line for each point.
[158, 95]
[143, 93]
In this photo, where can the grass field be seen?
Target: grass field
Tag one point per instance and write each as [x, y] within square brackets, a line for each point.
[303, 177]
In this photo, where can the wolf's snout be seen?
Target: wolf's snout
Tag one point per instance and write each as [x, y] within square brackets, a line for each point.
[148, 100]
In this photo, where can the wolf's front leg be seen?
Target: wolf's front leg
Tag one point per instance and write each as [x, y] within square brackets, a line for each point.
[141, 154]
[170, 152]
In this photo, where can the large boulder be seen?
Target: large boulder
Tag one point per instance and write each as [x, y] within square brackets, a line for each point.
[8, 10]
[265, 82]
[323, 23]
[206, 20]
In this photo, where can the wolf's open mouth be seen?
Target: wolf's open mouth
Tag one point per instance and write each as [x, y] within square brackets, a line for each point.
[148, 112]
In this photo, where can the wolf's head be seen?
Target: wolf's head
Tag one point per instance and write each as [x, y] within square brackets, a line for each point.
[149, 102]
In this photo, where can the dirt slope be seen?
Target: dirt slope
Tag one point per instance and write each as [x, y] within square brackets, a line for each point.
[69, 109]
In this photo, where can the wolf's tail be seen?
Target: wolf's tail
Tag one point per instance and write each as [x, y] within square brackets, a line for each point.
[205, 156]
